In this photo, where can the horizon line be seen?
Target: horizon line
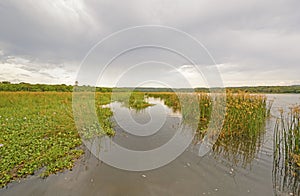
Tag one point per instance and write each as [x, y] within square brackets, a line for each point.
[241, 86]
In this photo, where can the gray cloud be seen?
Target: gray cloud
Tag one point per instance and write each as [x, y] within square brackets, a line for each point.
[253, 42]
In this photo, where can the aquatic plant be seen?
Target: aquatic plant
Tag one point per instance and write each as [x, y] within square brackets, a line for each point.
[37, 132]
[243, 127]
[91, 118]
[132, 100]
[244, 122]
[286, 163]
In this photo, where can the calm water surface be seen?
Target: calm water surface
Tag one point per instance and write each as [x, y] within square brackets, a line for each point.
[189, 174]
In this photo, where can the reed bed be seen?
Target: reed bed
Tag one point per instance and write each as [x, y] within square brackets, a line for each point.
[286, 163]
[243, 126]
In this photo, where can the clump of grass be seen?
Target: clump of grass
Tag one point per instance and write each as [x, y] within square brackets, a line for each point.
[132, 100]
[170, 99]
[286, 164]
[137, 101]
[243, 127]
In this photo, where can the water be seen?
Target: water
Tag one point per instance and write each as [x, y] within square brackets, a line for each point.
[159, 123]
[189, 174]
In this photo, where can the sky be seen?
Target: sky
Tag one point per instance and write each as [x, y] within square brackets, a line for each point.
[155, 43]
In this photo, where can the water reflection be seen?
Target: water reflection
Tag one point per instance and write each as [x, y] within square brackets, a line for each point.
[286, 164]
[238, 150]
[145, 139]
[147, 128]
[286, 178]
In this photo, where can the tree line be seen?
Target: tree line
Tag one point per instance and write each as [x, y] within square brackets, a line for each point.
[7, 86]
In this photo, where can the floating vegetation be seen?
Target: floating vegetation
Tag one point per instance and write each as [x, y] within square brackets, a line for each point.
[286, 163]
[37, 132]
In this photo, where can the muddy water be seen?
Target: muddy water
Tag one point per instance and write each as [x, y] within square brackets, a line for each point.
[189, 174]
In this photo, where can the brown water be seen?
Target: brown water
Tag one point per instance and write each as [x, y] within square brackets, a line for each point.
[189, 174]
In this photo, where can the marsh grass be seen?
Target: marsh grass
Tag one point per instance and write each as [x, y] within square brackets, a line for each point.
[286, 163]
[243, 127]
[91, 118]
[132, 100]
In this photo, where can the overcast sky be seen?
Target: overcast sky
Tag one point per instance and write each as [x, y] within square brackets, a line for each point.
[251, 42]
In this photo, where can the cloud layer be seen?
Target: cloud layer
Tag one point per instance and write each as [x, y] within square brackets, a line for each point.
[252, 42]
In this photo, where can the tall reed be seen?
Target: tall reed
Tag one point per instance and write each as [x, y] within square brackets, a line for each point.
[243, 127]
[286, 163]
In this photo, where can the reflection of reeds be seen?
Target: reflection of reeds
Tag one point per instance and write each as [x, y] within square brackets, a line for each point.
[286, 164]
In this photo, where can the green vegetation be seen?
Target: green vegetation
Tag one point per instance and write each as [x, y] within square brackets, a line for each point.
[133, 100]
[92, 119]
[38, 133]
[7, 86]
[286, 168]
[170, 99]
[267, 89]
[243, 127]
[196, 108]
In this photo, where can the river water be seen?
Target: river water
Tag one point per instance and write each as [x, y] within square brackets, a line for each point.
[188, 174]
